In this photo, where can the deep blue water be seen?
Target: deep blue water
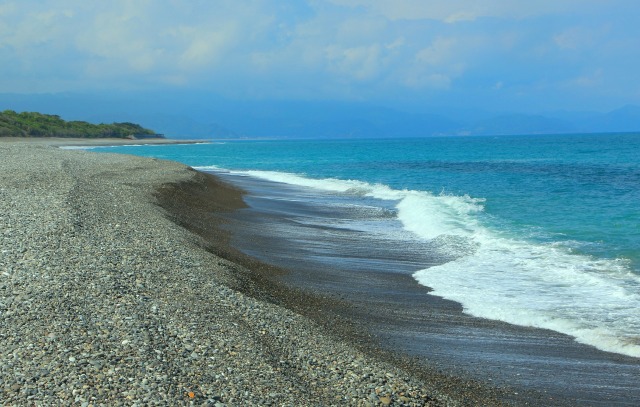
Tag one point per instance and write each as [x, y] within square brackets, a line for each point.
[548, 227]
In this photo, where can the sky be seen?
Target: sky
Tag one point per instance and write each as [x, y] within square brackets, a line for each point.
[527, 56]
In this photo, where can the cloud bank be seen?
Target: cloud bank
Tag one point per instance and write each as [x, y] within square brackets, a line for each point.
[544, 54]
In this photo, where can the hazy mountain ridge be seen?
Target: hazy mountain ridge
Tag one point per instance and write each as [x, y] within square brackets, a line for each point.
[189, 115]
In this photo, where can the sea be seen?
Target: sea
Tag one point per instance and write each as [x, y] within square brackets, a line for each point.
[540, 231]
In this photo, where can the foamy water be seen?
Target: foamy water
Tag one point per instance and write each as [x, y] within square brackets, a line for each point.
[499, 275]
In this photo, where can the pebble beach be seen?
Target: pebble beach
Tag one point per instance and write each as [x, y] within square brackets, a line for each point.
[106, 299]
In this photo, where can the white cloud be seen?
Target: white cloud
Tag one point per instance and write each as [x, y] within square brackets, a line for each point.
[359, 63]
[463, 15]
[577, 38]
[435, 66]
[429, 80]
[121, 38]
[396, 44]
[34, 29]
[315, 47]
[358, 30]
[589, 80]
[205, 47]
[7, 8]
[453, 11]
[114, 40]
[437, 52]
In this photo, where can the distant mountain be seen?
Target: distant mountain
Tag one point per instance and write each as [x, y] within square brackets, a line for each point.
[202, 115]
[328, 119]
[626, 118]
[519, 124]
[179, 126]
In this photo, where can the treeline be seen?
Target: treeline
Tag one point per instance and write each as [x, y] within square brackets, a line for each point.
[32, 124]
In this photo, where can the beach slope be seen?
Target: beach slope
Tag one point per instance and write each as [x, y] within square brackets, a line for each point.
[104, 300]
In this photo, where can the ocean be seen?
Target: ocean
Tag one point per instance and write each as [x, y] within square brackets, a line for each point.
[540, 231]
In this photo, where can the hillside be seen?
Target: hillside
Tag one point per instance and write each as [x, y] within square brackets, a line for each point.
[32, 124]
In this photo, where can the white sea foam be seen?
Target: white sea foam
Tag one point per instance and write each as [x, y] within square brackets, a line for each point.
[77, 147]
[134, 145]
[507, 278]
[101, 147]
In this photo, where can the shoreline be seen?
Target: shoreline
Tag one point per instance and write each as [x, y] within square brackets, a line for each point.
[196, 207]
[106, 300]
[202, 209]
[95, 142]
[527, 365]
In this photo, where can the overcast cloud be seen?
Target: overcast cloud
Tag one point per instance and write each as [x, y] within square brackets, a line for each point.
[563, 54]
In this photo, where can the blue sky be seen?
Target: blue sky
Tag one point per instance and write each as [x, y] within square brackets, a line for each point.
[528, 56]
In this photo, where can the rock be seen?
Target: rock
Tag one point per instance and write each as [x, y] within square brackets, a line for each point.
[385, 400]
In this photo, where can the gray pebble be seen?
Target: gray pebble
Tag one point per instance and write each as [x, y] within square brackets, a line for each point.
[105, 301]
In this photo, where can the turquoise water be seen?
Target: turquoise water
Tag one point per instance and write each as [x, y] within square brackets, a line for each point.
[546, 227]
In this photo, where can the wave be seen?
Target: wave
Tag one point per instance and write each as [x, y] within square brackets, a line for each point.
[77, 147]
[497, 275]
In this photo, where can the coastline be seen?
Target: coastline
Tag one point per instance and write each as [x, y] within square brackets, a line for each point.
[528, 365]
[94, 142]
[106, 300]
[197, 207]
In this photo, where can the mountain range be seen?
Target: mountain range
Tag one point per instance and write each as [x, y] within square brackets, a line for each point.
[200, 115]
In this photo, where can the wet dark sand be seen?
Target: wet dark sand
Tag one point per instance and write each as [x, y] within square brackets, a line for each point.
[204, 206]
[379, 296]
[385, 312]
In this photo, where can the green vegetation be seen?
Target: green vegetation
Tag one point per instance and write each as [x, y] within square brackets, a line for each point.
[31, 124]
